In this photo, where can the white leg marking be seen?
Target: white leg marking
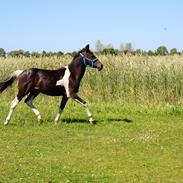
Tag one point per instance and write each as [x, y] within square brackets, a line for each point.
[87, 110]
[37, 113]
[58, 116]
[65, 81]
[89, 114]
[12, 107]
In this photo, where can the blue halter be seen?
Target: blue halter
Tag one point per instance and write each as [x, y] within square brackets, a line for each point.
[92, 61]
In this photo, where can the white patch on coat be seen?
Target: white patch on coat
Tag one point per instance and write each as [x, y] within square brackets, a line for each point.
[65, 81]
[17, 73]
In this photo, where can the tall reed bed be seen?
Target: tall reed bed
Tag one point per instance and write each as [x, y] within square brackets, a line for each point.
[125, 79]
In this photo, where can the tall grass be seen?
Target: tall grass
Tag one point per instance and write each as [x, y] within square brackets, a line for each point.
[126, 79]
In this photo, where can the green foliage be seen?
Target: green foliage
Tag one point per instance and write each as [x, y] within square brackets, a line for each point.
[173, 51]
[48, 54]
[109, 51]
[27, 54]
[35, 54]
[2, 52]
[59, 53]
[72, 54]
[43, 53]
[138, 52]
[150, 53]
[162, 50]
[16, 53]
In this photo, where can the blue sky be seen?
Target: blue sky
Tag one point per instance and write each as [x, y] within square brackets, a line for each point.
[68, 25]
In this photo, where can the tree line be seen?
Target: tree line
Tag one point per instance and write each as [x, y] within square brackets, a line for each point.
[22, 53]
[125, 48]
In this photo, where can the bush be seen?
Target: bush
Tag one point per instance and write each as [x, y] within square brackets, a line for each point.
[110, 51]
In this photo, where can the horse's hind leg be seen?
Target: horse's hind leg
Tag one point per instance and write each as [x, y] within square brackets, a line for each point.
[24, 85]
[13, 105]
[29, 100]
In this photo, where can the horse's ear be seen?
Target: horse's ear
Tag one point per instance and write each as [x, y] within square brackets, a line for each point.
[87, 47]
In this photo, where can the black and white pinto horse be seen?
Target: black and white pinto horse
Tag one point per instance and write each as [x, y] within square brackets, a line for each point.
[64, 82]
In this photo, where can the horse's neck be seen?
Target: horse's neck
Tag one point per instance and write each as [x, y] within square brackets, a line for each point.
[77, 69]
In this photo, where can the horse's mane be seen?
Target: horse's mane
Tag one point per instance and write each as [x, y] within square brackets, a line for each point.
[78, 53]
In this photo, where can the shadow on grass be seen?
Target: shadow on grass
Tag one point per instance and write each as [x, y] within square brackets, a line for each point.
[126, 120]
[76, 120]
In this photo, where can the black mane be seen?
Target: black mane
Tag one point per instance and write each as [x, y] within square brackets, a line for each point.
[78, 53]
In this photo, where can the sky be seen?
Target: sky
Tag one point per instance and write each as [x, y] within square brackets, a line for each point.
[68, 25]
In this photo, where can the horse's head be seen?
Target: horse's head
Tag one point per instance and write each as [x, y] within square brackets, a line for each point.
[89, 59]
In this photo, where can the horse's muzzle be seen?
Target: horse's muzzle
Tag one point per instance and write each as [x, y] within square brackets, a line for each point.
[99, 65]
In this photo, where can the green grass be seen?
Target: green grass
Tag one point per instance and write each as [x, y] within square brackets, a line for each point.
[128, 144]
[138, 137]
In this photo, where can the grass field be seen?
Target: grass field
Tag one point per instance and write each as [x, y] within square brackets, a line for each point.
[137, 138]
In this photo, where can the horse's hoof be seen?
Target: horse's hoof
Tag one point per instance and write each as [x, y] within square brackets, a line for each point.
[92, 121]
[39, 121]
[56, 121]
[5, 123]
[39, 118]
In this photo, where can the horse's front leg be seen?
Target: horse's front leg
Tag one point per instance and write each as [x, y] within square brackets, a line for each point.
[76, 98]
[61, 108]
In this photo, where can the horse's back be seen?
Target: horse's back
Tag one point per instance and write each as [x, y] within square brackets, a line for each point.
[42, 80]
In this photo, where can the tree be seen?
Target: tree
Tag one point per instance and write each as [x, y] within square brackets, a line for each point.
[150, 53]
[16, 53]
[99, 46]
[35, 54]
[173, 51]
[121, 47]
[72, 54]
[110, 51]
[60, 53]
[27, 54]
[138, 52]
[2, 52]
[50, 54]
[109, 46]
[126, 47]
[43, 53]
[162, 50]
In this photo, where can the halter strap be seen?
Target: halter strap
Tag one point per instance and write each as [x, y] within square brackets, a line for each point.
[92, 61]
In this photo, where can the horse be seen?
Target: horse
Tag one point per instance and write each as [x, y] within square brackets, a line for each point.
[64, 82]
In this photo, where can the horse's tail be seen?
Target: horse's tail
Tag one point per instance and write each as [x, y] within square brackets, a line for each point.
[9, 81]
